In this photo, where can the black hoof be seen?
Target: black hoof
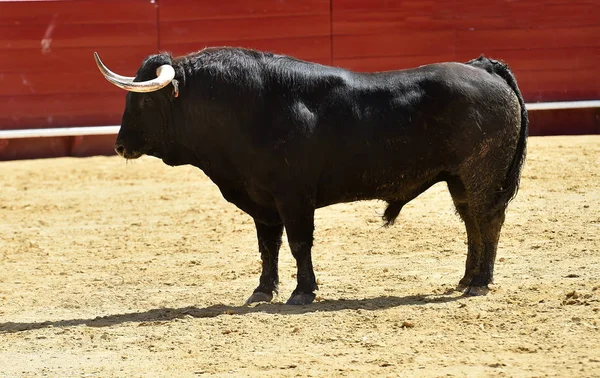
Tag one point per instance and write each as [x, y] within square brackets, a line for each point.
[475, 281]
[473, 291]
[301, 299]
[258, 296]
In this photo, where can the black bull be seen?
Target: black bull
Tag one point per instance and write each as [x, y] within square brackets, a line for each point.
[282, 137]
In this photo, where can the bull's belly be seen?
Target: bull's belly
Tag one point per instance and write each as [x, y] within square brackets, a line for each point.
[385, 184]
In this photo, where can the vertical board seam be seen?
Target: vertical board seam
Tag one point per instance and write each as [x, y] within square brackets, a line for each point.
[158, 47]
[331, 32]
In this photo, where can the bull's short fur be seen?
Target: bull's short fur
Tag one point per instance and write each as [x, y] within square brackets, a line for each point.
[281, 137]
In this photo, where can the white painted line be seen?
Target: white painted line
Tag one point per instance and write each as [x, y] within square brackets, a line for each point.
[563, 105]
[59, 132]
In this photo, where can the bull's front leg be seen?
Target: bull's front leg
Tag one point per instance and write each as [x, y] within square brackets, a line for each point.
[298, 219]
[307, 284]
[269, 242]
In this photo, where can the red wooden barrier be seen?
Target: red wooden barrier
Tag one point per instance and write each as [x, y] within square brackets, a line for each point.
[553, 47]
[298, 28]
[48, 77]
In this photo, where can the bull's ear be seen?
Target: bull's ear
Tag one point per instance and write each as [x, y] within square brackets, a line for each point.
[175, 88]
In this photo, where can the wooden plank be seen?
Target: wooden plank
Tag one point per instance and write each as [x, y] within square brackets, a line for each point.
[13, 149]
[538, 86]
[409, 16]
[526, 39]
[377, 22]
[525, 14]
[93, 145]
[372, 30]
[380, 5]
[58, 82]
[125, 60]
[401, 44]
[244, 28]
[46, 38]
[48, 25]
[66, 70]
[315, 49]
[564, 122]
[86, 12]
[186, 10]
[361, 16]
[64, 109]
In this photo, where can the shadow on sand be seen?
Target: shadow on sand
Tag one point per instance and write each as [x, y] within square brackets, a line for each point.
[167, 314]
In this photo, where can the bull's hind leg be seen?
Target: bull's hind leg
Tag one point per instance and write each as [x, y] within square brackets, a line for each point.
[490, 222]
[269, 242]
[483, 220]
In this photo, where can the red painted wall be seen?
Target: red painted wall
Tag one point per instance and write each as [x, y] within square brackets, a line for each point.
[552, 46]
[48, 77]
[299, 28]
[553, 49]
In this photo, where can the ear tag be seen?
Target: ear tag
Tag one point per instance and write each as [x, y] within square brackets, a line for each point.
[175, 88]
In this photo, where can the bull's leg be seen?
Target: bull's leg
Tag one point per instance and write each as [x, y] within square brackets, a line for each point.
[483, 272]
[269, 242]
[307, 284]
[475, 247]
[482, 239]
[298, 217]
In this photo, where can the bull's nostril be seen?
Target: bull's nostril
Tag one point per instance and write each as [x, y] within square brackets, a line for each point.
[119, 149]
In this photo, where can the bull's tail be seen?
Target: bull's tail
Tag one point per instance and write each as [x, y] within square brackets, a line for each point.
[511, 183]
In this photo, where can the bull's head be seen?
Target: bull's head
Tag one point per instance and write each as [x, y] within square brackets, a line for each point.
[147, 106]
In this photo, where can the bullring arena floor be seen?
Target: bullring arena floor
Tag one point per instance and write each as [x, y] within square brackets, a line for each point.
[139, 269]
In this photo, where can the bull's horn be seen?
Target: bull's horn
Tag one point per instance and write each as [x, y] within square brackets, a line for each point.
[164, 75]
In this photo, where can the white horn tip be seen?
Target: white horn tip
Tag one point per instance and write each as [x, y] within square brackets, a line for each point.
[97, 58]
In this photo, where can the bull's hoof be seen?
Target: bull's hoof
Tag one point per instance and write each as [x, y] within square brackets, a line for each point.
[258, 296]
[473, 291]
[301, 299]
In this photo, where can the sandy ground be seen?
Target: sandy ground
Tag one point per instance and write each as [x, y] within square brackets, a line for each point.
[139, 269]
